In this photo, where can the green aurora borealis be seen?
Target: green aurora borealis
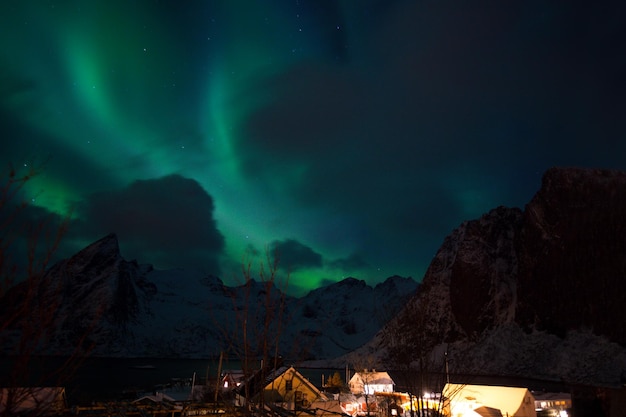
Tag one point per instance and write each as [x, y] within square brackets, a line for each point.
[351, 136]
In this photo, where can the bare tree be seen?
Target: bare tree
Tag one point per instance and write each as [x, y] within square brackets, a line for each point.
[29, 237]
[260, 315]
[410, 340]
[335, 381]
[363, 366]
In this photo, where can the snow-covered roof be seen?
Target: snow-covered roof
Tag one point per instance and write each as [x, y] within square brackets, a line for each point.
[372, 378]
[155, 398]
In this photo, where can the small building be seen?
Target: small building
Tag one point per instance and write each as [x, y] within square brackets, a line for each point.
[370, 382]
[232, 379]
[283, 387]
[33, 400]
[546, 402]
[475, 400]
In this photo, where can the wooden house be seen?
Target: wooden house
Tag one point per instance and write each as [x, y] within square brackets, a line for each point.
[469, 400]
[283, 387]
[370, 382]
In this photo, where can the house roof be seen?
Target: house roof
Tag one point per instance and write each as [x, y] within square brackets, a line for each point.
[274, 374]
[155, 398]
[257, 382]
[373, 378]
[506, 399]
[308, 383]
[488, 412]
[236, 374]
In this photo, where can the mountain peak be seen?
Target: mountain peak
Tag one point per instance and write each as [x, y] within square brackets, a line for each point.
[351, 281]
[105, 250]
[396, 283]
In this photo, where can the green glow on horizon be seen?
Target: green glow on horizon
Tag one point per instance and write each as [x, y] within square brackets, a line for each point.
[52, 194]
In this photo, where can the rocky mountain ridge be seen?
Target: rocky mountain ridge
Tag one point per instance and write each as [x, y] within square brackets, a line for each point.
[538, 292]
[119, 308]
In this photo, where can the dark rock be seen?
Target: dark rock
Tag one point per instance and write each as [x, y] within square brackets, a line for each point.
[572, 254]
[515, 291]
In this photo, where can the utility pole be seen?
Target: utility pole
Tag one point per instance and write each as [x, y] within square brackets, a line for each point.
[219, 372]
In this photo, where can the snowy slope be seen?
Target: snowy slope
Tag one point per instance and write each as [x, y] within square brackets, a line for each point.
[132, 310]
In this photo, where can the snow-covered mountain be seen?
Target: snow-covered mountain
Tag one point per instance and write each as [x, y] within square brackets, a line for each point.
[130, 310]
[538, 292]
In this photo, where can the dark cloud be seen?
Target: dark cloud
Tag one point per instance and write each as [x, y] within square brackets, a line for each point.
[372, 128]
[166, 221]
[351, 263]
[30, 238]
[293, 255]
[438, 118]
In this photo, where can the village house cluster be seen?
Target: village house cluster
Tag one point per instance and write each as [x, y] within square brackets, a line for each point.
[281, 390]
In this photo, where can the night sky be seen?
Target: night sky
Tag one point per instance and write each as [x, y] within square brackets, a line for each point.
[350, 136]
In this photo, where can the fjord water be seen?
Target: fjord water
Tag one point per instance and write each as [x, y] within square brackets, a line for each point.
[102, 379]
